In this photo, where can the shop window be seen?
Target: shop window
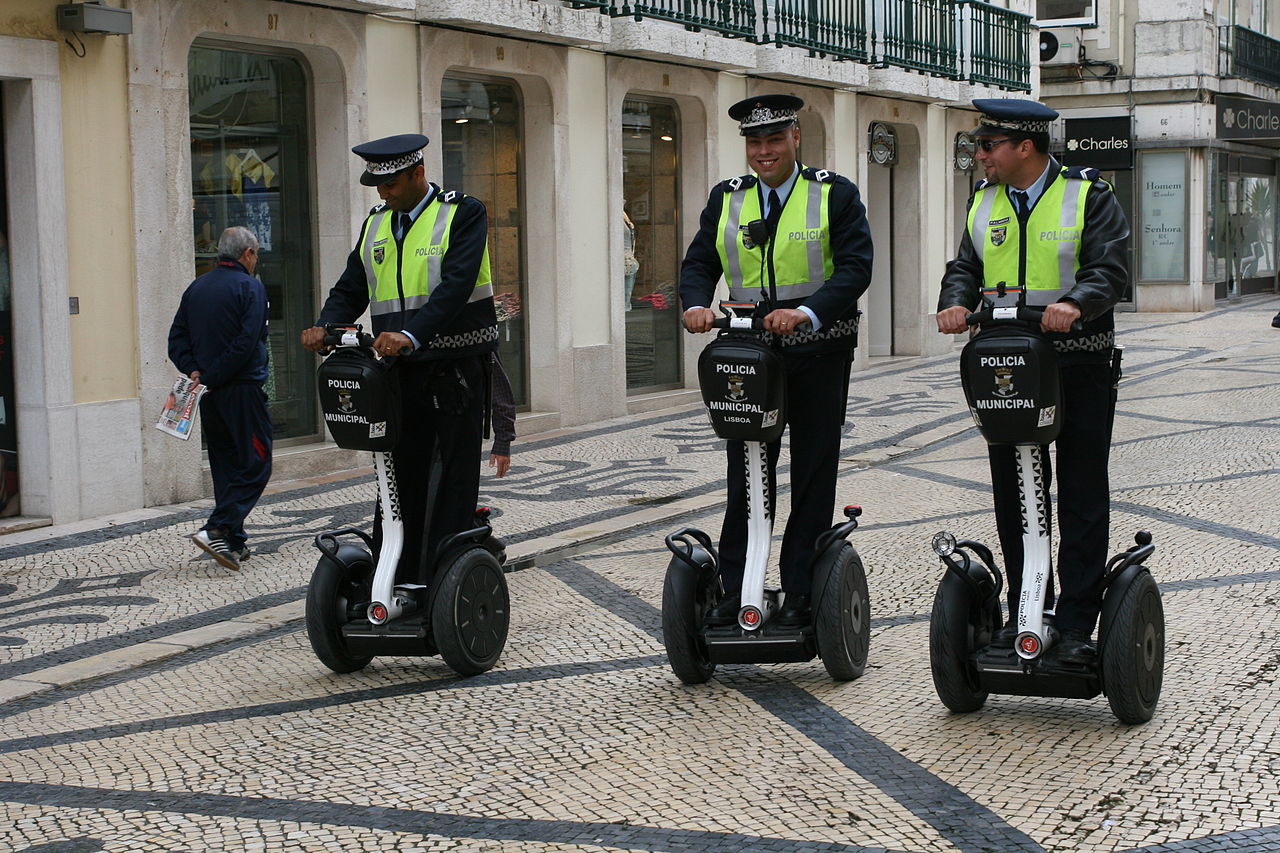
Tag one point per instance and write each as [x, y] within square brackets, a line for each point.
[482, 134]
[651, 245]
[250, 166]
[1242, 251]
[1162, 226]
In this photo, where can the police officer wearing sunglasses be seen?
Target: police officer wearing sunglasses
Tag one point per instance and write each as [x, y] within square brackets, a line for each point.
[1060, 233]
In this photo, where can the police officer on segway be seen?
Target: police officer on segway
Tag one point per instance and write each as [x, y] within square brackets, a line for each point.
[805, 282]
[421, 267]
[1060, 234]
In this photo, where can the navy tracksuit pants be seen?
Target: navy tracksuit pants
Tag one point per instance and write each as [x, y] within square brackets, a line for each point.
[237, 431]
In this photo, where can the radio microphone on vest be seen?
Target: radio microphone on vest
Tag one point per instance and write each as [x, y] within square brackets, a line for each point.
[758, 231]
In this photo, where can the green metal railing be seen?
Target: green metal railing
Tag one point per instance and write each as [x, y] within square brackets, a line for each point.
[832, 28]
[994, 45]
[734, 18]
[1250, 54]
[916, 34]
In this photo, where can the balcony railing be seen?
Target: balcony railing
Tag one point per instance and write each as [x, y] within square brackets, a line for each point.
[916, 34]
[832, 28]
[734, 18]
[1249, 54]
[994, 45]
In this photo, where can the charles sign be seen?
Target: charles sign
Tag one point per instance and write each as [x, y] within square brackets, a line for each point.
[1103, 143]
[1244, 118]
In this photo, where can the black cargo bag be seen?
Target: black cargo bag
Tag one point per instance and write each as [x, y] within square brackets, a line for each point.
[744, 388]
[360, 398]
[1012, 385]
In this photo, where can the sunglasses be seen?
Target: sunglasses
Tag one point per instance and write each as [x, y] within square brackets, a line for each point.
[989, 144]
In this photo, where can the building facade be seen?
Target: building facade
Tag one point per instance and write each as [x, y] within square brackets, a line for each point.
[592, 131]
[1179, 103]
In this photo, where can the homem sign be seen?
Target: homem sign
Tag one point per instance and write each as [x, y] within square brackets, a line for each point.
[1103, 143]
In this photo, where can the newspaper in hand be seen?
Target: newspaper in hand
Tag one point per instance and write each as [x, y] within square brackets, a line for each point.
[179, 412]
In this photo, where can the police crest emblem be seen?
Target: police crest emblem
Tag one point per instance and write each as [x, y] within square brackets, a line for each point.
[997, 235]
[379, 252]
[736, 390]
[345, 405]
[1004, 382]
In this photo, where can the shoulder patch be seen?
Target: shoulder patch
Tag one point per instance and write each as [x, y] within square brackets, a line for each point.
[742, 182]
[1081, 173]
[981, 185]
[377, 208]
[824, 176]
[451, 196]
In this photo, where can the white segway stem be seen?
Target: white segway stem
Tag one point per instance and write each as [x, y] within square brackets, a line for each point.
[755, 610]
[1033, 639]
[387, 604]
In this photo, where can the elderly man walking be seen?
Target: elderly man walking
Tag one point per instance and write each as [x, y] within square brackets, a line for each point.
[219, 339]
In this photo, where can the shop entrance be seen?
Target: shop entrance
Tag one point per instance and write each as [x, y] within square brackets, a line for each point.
[1243, 250]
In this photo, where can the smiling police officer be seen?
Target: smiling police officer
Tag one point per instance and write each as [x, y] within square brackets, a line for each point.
[805, 280]
[421, 267]
[1060, 233]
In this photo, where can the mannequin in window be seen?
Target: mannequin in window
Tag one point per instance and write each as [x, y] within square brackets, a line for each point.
[630, 265]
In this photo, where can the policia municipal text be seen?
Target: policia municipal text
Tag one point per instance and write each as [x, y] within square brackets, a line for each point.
[421, 267]
[1060, 233]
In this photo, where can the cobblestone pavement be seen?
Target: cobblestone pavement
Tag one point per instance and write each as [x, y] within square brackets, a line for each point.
[153, 701]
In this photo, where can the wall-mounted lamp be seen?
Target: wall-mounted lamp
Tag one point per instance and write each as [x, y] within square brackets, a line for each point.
[966, 149]
[882, 144]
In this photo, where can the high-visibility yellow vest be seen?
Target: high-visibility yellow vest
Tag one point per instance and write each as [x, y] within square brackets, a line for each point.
[402, 275]
[800, 252]
[1041, 255]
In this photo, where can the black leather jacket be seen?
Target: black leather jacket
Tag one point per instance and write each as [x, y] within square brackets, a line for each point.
[1099, 283]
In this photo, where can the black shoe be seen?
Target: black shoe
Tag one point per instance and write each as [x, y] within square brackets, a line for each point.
[1004, 636]
[1075, 648]
[795, 612]
[724, 613]
[1275, 322]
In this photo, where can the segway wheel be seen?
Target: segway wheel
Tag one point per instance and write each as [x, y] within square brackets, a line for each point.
[954, 627]
[471, 611]
[843, 618]
[332, 588]
[684, 604]
[1133, 657]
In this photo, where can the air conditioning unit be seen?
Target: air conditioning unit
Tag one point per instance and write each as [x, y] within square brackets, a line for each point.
[1060, 46]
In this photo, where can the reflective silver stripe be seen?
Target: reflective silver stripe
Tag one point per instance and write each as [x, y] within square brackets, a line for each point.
[1048, 296]
[417, 301]
[813, 221]
[1067, 248]
[981, 218]
[386, 306]
[482, 292]
[799, 290]
[371, 234]
[437, 237]
[734, 274]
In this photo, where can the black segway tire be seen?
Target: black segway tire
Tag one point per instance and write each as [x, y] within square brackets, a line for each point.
[842, 621]
[332, 588]
[1133, 654]
[471, 611]
[954, 628]
[685, 601]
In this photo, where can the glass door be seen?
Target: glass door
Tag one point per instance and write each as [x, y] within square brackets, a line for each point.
[10, 502]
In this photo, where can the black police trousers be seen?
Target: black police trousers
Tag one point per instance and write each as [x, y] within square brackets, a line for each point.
[437, 460]
[1084, 499]
[817, 392]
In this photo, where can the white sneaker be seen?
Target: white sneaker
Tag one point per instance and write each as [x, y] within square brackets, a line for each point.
[218, 548]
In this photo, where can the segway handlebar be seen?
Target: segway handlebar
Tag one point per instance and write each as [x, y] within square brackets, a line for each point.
[337, 335]
[744, 324]
[1021, 314]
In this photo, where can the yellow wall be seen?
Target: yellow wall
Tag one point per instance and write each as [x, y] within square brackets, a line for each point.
[95, 135]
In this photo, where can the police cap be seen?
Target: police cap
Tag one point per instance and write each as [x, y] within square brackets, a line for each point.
[765, 113]
[1001, 115]
[387, 156]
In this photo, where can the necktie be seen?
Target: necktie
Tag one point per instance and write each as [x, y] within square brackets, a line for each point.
[404, 224]
[1020, 199]
[774, 214]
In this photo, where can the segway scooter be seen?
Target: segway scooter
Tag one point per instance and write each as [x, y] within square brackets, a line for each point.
[1011, 381]
[356, 609]
[742, 381]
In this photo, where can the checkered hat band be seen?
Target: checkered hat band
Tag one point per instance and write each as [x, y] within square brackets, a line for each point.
[390, 167]
[763, 115]
[1016, 124]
